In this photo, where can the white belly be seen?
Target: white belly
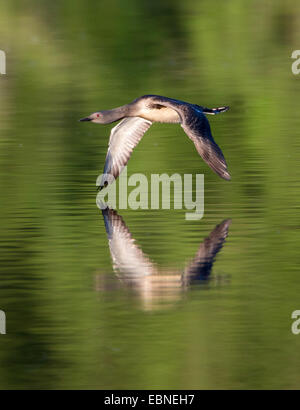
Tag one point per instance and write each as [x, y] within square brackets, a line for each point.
[164, 114]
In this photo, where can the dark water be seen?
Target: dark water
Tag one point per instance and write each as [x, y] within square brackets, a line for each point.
[72, 320]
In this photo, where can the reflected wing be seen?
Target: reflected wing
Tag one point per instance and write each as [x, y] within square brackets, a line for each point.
[201, 265]
[135, 269]
[124, 137]
[127, 257]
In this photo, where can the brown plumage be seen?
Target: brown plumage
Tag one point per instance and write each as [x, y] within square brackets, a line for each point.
[138, 116]
[152, 283]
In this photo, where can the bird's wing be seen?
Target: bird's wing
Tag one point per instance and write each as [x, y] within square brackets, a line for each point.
[196, 126]
[128, 259]
[200, 267]
[124, 137]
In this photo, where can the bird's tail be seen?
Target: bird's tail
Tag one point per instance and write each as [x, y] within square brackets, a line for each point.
[214, 111]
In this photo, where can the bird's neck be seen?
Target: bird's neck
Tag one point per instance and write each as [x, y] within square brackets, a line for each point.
[115, 114]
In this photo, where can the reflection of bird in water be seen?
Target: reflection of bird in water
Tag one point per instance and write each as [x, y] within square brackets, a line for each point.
[139, 115]
[135, 270]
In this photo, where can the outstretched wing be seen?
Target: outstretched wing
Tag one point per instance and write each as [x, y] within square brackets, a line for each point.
[128, 259]
[124, 137]
[196, 126]
[201, 265]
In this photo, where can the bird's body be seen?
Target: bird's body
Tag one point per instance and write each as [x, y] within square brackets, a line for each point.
[139, 115]
[148, 107]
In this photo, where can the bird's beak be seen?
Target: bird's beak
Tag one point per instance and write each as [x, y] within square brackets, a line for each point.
[86, 119]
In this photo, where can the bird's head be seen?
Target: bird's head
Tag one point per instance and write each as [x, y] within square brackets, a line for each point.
[97, 117]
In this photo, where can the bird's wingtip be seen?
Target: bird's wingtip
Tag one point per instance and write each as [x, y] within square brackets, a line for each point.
[227, 222]
[226, 176]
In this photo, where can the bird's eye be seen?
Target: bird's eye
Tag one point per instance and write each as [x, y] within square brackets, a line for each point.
[98, 115]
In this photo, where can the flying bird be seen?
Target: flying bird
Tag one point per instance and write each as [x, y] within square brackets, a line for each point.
[135, 269]
[137, 117]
